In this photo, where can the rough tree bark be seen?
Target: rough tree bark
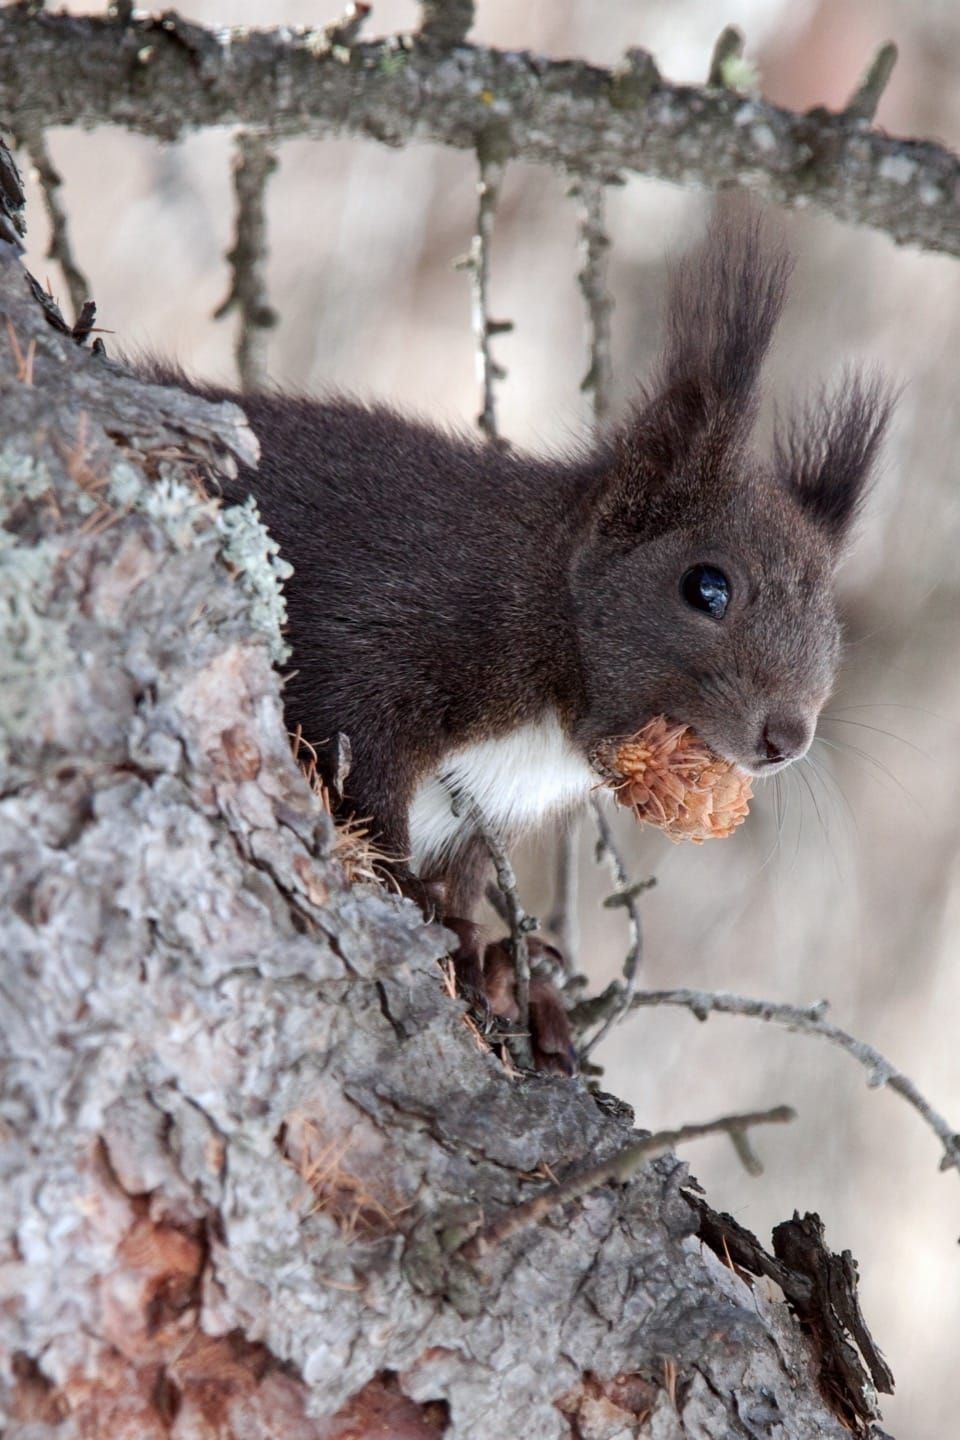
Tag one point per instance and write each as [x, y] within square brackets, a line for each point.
[250, 1142]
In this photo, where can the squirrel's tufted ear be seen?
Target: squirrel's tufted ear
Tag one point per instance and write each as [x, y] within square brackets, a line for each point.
[825, 455]
[681, 446]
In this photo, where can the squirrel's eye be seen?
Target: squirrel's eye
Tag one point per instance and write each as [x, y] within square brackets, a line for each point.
[706, 588]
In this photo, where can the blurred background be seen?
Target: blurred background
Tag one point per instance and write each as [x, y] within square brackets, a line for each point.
[855, 896]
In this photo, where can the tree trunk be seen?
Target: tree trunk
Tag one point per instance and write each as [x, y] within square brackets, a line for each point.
[249, 1136]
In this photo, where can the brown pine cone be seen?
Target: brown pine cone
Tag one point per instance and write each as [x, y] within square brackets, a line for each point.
[669, 778]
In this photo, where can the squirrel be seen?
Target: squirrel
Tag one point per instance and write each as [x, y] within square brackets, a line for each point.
[478, 620]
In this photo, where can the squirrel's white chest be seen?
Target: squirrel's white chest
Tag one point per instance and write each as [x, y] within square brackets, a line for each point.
[517, 780]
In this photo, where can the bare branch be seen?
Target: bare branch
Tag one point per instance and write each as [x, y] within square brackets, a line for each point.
[865, 99]
[563, 918]
[60, 248]
[620, 997]
[446, 23]
[255, 162]
[809, 1020]
[618, 1168]
[592, 279]
[478, 263]
[88, 70]
[521, 924]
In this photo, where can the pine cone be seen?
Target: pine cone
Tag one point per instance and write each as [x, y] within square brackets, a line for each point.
[669, 778]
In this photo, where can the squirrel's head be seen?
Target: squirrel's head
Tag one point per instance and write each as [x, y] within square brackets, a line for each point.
[703, 582]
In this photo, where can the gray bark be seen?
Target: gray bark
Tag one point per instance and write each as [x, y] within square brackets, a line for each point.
[167, 77]
[246, 1128]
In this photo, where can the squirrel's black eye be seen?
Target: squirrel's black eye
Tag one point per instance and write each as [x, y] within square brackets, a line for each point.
[706, 588]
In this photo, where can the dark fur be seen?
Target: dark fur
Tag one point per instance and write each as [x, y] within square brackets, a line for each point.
[446, 591]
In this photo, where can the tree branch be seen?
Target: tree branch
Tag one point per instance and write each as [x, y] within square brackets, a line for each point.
[167, 77]
[588, 191]
[521, 924]
[60, 248]
[478, 263]
[619, 1167]
[563, 920]
[255, 162]
[592, 279]
[625, 895]
[810, 1020]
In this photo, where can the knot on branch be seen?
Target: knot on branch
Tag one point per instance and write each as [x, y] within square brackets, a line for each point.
[633, 81]
[445, 23]
[868, 94]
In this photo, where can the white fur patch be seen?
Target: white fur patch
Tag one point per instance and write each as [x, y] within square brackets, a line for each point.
[516, 780]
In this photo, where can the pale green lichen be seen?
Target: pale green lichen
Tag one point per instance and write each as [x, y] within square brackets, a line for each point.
[24, 573]
[253, 550]
[244, 540]
[33, 649]
[125, 486]
[23, 475]
[740, 74]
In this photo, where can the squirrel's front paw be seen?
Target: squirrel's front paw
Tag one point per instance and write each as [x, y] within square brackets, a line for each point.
[550, 1035]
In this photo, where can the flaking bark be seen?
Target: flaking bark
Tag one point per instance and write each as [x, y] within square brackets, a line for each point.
[246, 1130]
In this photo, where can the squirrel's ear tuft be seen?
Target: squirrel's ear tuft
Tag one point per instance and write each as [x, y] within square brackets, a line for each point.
[825, 455]
[690, 429]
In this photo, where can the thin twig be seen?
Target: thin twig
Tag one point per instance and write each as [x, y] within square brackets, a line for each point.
[619, 1168]
[521, 924]
[810, 1020]
[865, 99]
[563, 921]
[60, 248]
[253, 166]
[625, 895]
[478, 263]
[592, 279]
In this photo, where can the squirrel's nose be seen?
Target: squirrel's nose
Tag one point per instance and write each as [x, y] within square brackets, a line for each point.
[785, 737]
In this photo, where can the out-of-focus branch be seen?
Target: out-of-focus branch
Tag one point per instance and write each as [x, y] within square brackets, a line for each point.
[865, 99]
[478, 263]
[253, 166]
[60, 248]
[588, 190]
[166, 77]
[626, 895]
[809, 1020]
[446, 22]
[592, 279]
[563, 920]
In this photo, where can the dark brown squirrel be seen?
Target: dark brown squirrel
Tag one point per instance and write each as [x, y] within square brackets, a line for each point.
[476, 619]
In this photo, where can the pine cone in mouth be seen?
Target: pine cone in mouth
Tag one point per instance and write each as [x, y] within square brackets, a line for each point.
[671, 779]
